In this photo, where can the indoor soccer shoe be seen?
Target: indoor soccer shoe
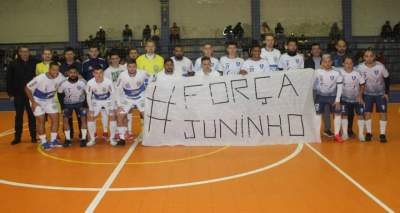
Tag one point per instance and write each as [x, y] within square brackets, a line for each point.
[113, 142]
[382, 138]
[361, 138]
[45, 146]
[55, 144]
[121, 142]
[91, 143]
[338, 138]
[83, 143]
[368, 137]
[328, 133]
[67, 143]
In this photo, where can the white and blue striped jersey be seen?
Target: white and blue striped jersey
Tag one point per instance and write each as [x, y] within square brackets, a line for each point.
[132, 88]
[44, 88]
[99, 92]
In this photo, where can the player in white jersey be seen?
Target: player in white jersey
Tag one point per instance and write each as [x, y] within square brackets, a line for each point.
[41, 91]
[352, 100]
[168, 73]
[207, 69]
[255, 63]
[208, 51]
[291, 60]
[376, 93]
[269, 53]
[328, 83]
[130, 95]
[230, 64]
[72, 97]
[100, 96]
[183, 65]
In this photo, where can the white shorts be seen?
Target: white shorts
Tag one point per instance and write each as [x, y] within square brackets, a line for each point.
[98, 106]
[45, 107]
[127, 105]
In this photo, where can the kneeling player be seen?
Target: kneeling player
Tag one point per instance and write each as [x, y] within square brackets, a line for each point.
[376, 93]
[41, 91]
[353, 89]
[328, 84]
[130, 94]
[99, 96]
[71, 94]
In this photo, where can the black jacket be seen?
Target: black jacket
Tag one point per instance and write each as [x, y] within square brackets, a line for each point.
[309, 63]
[19, 73]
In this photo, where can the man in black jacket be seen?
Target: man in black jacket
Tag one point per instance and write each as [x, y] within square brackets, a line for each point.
[19, 73]
[314, 61]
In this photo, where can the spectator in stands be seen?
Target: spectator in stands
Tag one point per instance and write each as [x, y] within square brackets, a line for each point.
[175, 33]
[43, 66]
[265, 29]
[228, 33]
[279, 30]
[127, 35]
[155, 34]
[19, 73]
[150, 61]
[146, 33]
[101, 36]
[335, 32]
[93, 60]
[387, 31]
[396, 31]
[90, 41]
[183, 65]
[70, 61]
[314, 61]
[238, 32]
[132, 54]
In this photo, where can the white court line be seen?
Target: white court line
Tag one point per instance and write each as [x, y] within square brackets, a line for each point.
[111, 179]
[349, 178]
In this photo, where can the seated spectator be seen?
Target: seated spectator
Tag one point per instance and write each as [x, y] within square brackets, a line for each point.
[314, 61]
[238, 31]
[175, 33]
[396, 31]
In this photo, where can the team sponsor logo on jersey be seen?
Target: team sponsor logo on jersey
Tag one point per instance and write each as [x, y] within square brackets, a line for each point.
[238, 63]
[262, 66]
[156, 68]
[227, 65]
[353, 77]
[128, 86]
[79, 87]
[104, 89]
[376, 72]
[251, 69]
[297, 60]
[332, 77]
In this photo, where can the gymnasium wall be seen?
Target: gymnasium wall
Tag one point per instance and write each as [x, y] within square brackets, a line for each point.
[33, 21]
[370, 15]
[309, 17]
[208, 18]
[113, 15]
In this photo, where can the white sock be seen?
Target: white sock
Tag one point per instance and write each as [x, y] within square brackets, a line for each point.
[345, 126]
[318, 120]
[104, 121]
[67, 134]
[130, 123]
[382, 127]
[42, 139]
[368, 125]
[113, 129]
[91, 129]
[53, 136]
[122, 131]
[336, 124]
[361, 127]
[84, 133]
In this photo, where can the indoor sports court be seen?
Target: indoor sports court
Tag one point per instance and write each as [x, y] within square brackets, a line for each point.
[208, 106]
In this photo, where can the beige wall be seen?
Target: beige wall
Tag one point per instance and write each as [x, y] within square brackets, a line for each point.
[370, 15]
[208, 18]
[309, 17]
[33, 21]
[113, 15]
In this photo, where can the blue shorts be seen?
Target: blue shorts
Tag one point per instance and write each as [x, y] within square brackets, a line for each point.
[348, 107]
[378, 101]
[325, 102]
[80, 110]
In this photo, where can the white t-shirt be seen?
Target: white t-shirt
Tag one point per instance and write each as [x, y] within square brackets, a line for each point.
[182, 67]
[351, 85]
[374, 78]
[272, 57]
[133, 88]
[230, 66]
[74, 92]
[214, 64]
[256, 66]
[287, 62]
[212, 73]
[113, 73]
[162, 76]
[44, 88]
[326, 82]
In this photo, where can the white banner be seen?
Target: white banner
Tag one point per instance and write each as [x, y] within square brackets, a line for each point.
[255, 109]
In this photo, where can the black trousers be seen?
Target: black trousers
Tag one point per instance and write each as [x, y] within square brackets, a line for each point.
[350, 118]
[21, 103]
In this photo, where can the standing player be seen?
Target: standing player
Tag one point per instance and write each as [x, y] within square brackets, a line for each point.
[183, 65]
[255, 63]
[376, 93]
[269, 53]
[230, 64]
[291, 60]
[99, 97]
[130, 95]
[328, 84]
[352, 100]
[71, 94]
[208, 51]
[41, 91]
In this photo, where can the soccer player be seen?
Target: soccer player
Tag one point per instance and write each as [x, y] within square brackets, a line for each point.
[207, 68]
[255, 63]
[169, 72]
[376, 93]
[269, 53]
[43, 66]
[328, 84]
[183, 65]
[41, 91]
[352, 100]
[230, 64]
[71, 94]
[150, 61]
[291, 59]
[130, 95]
[99, 97]
[208, 51]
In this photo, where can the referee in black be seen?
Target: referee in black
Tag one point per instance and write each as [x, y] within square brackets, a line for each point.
[19, 73]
